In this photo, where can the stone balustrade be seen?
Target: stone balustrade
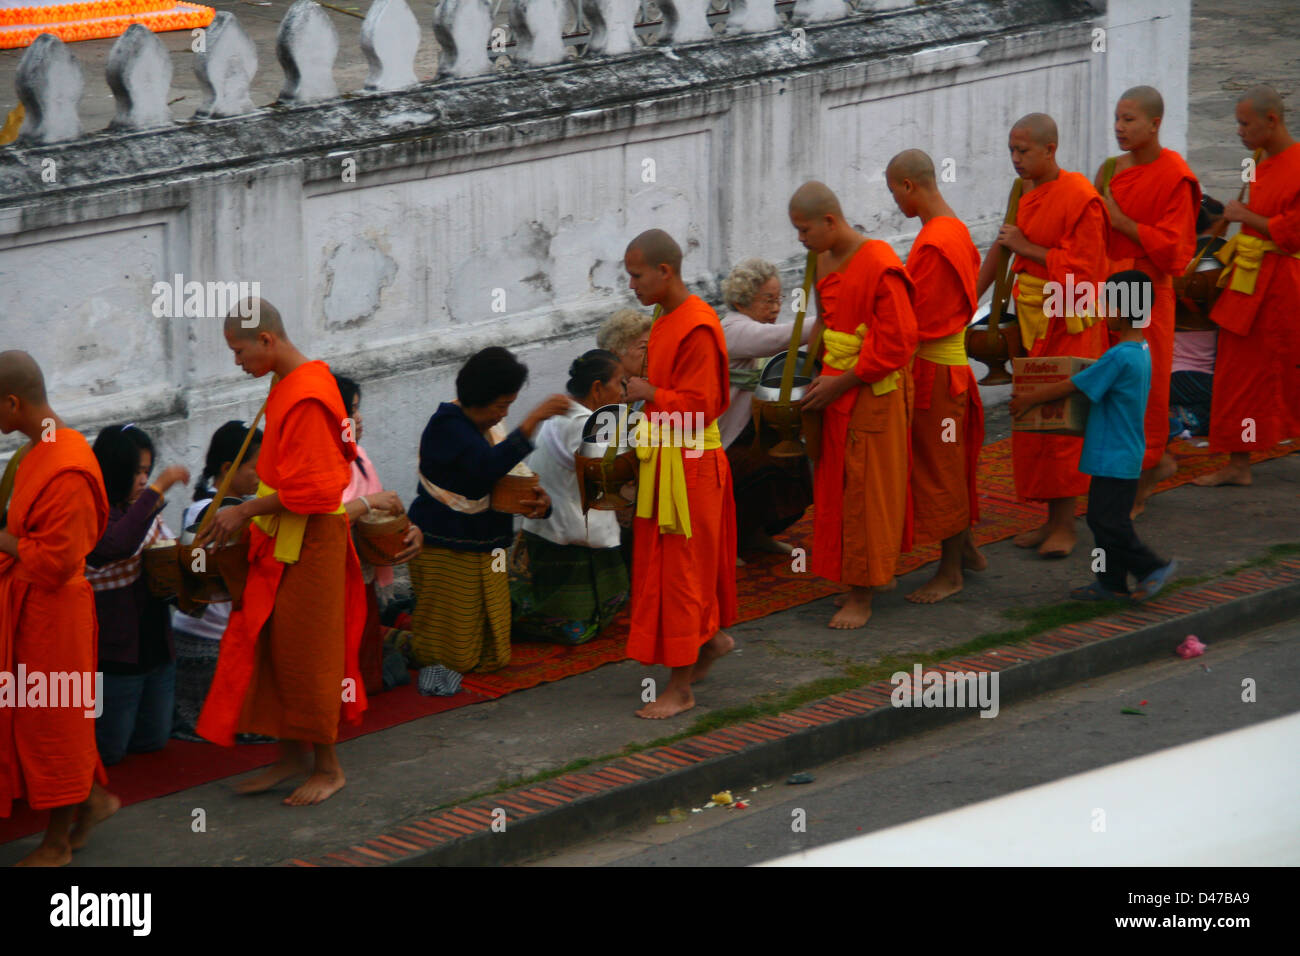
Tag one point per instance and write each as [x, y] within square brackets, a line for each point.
[50, 79]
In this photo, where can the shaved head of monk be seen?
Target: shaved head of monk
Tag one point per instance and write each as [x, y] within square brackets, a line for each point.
[23, 401]
[654, 266]
[1261, 120]
[910, 177]
[1033, 142]
[817, 217]
[1137, 121]
[255, 332]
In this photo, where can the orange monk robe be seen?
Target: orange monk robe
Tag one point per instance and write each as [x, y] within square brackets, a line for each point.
[948, 418]
[862, 507]
[1256, 401]
[684, 589]
[1162, 197]
[47, 625]
[1069, 219]
[288, 650]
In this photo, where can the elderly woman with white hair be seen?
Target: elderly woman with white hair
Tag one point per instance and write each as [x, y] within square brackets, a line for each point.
[770, 494]
[625, 333]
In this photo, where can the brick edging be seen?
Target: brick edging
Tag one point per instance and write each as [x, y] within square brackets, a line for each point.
[628, 790]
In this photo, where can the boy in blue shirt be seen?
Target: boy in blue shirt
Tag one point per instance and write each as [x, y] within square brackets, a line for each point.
[1117, 385]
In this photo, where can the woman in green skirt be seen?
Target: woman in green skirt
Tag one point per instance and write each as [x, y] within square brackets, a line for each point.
[576, 580]
[462, 597]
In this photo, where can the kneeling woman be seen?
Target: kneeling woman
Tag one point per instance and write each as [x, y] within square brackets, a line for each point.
[578, 579]
[462, 603]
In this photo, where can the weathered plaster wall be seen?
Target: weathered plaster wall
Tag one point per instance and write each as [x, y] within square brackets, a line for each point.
[519, 191]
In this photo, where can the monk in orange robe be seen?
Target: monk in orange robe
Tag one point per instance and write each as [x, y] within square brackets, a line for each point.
[57, 513]
[683, 562]
[861, 501]
[1256, 401]
[1152, 198]
[290, 655]
[1059, 242]
[948, 417]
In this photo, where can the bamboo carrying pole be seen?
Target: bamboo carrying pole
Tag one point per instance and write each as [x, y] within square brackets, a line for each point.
[792, 356]
[1002, 286]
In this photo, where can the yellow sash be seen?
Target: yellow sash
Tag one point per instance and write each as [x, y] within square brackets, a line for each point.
[662, 454]
[949, 350]
[286, 527]
[1243, 254]
[842, 351]
[1033, 320]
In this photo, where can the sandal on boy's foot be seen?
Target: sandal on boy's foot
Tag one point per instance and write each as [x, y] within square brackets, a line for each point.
[1096, 591]
[1151, 585]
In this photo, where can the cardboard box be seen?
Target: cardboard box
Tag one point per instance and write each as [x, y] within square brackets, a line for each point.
[1068, 416]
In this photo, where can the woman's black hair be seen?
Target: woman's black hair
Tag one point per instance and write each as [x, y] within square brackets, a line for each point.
[225, 445]
[487, 376]
[350, 391]
[118, 449]
[596, 365]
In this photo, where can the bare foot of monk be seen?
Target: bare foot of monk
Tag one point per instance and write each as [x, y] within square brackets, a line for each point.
[317, 788]
[54, 849]
[326, 778]
[292, 763]
[47, 856]
[672, 702]
[940, 586]
[1031, 539]
[972, 559]
[99, 806]
[1231, 474]
[720, 645]
[1059, 543]
[855, 612]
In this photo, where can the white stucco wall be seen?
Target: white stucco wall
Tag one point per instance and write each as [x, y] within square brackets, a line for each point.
[391, 278]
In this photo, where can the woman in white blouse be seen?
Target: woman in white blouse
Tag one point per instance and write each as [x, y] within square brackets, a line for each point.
[770, 494]
[576, 579]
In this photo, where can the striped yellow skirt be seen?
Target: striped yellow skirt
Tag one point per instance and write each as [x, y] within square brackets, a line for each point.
[462, 611]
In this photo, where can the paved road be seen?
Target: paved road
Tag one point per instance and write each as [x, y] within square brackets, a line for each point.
[1030, 743]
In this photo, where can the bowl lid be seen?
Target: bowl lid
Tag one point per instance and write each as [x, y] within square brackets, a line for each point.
[774, 368]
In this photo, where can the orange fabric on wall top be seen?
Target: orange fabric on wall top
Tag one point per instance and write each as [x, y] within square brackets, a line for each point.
[58, 512]
[684, 589]
[305, 458]
[859, 529]
[948, 416]
[1068, 217]
[1162, 197]
[1257, 382]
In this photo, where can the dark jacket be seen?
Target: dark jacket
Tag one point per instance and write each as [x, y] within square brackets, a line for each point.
[130, 618]
[457, 457]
